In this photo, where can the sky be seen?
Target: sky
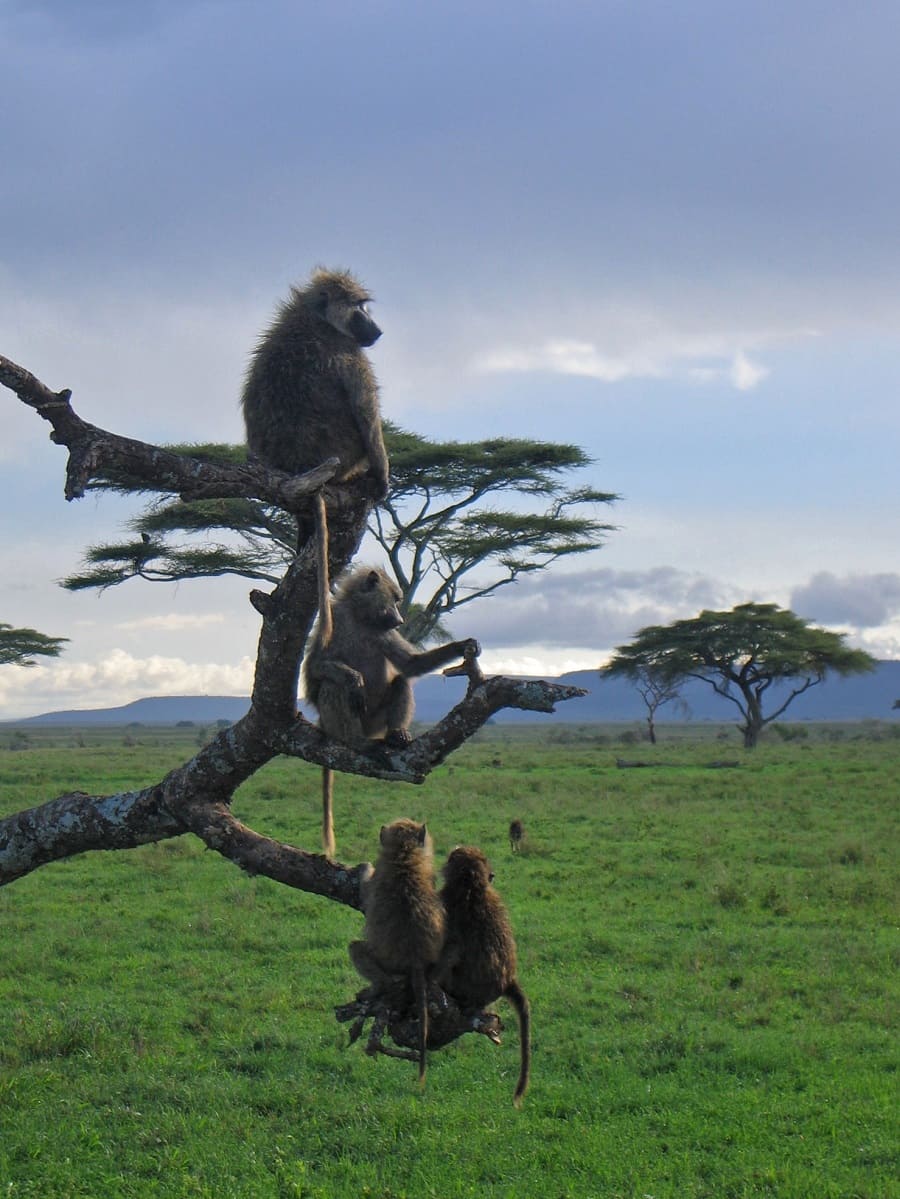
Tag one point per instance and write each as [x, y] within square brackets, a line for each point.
[666, 233]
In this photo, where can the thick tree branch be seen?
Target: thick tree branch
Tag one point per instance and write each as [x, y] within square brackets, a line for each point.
[92, 449]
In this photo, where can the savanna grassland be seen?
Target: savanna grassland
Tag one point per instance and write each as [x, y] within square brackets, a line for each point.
[711, 955]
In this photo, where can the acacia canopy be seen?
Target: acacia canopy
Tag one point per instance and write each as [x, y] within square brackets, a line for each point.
[20, 647]
[741, 653]
[438, 525]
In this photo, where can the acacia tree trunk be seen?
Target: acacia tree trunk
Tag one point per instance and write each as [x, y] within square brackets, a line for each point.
[195, 797]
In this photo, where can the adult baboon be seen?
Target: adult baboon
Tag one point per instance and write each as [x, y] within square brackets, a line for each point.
[358, 678]
[516, 835]
[478, 964]
[310, 393]
[404, 930]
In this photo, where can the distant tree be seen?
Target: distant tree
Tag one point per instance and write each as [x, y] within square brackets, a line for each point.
[740, 654]
[654, 688]
[436, 526]
[20, 647]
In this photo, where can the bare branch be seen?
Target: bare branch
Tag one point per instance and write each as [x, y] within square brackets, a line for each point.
[91, 449]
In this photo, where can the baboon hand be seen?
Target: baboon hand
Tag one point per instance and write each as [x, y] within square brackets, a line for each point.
[471, 648]
[356, 696]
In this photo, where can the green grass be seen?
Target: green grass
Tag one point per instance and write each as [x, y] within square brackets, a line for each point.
[711, 957]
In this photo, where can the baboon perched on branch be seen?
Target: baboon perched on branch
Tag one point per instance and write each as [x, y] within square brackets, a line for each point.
[310, 394]
[358, 678]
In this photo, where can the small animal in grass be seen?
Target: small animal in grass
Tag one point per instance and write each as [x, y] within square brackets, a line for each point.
[516, 835]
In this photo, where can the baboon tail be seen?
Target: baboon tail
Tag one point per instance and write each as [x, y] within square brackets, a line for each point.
[327, 812]
[326, 625]
[517, 998]
[421, 994]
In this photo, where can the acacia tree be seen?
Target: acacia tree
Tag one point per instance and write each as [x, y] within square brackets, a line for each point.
[741, 654]
[654, 689]
[437, 525]
[20, 647]
[195, 797]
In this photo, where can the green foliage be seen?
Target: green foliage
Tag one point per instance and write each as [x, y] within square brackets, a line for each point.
[710, 957]
[435, 526]
[20, 647]
[741, 653]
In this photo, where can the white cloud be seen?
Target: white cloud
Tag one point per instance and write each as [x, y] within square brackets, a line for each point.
[744, 374]
[173, 622]
[118, 678]
[644, 349]
[564, 358]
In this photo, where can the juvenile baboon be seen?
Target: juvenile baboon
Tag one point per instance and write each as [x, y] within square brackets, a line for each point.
[516, 835]
[310, 394]
[404, 923]
[478, 963]
[358, 678]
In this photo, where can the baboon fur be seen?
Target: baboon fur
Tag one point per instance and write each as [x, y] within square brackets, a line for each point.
[310, 392]
[404, 931]
[478, 964]
[358, 678]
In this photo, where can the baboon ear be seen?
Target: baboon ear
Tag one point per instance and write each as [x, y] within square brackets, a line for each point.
[490, 876]
[423, 835]
[372, 579]
[381, 834]
[322, 302]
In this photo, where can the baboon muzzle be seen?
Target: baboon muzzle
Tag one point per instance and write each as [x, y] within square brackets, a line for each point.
[364, 329]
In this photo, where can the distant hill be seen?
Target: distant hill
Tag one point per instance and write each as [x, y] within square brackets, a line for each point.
[163, 709]
[861, 697]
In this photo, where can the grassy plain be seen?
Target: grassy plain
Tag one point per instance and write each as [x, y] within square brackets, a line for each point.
[711, 955]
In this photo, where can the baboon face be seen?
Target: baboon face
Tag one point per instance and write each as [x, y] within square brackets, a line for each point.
[343, 303]
[376, 601]
[468, 868]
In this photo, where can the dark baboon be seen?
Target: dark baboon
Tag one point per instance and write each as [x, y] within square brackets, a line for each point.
[310, 393]
[516, 835]
[478, 964]
[359, 678]
[404, 923]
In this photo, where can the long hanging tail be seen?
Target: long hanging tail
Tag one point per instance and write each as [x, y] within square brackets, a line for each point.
[327, 814]
[326, 625]
[421, 994]
[517, 998]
